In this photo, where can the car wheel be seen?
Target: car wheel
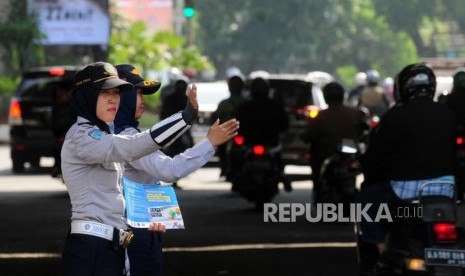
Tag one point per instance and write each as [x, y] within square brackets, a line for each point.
[18, 165]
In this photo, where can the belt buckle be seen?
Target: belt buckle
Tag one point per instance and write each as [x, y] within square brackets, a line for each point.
[125, 238]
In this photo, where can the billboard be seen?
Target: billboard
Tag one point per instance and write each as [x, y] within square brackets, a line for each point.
[72, 22]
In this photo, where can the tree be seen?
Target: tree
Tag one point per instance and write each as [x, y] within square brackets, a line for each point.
[299, 36]
[19, 38]
[131, 42]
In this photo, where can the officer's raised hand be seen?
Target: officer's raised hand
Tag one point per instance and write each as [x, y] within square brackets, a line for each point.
[192, 107]
[219, 134]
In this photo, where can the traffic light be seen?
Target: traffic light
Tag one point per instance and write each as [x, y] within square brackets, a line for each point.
[189, 9]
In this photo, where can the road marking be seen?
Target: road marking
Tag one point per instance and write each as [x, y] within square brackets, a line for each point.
[212, 248]
[29, 255]
[231, 247]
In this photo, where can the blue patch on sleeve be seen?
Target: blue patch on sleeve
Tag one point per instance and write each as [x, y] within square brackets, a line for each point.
[96, 134]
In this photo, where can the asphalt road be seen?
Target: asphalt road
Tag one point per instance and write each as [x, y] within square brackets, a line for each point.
[223, 235]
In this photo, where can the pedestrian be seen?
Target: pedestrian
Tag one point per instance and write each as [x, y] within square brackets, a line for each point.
[145, 251]
[92, 171]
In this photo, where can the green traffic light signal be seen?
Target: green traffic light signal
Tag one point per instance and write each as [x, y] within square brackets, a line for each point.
[188, 12]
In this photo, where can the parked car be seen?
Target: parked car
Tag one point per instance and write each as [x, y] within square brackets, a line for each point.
[209, 95]
[30, 115]
[302, 99]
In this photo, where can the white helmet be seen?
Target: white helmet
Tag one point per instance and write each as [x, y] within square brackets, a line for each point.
[360, 78]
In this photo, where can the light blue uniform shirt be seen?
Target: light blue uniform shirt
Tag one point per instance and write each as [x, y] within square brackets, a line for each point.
[158, 166]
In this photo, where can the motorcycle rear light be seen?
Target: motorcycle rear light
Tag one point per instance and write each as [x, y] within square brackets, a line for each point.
[239, 140]
[460, 140]
[56, 71]
[14, 117]
[258, 150]
[445, 232]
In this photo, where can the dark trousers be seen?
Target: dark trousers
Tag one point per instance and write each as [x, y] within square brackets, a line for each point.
[377, 193]
[85, 255]
[145, 253]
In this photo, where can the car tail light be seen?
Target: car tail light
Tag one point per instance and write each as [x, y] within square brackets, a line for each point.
[309, 111]
[460, 140]
[238, 140]
[14, 117]
[258, 150]
[56, 71]
[445, 232]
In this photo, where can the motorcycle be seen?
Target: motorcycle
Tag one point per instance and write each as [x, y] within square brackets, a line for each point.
[338, 174]
[427, 242]
[255, 172]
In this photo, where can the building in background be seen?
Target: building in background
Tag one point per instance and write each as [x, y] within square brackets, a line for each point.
[158, 15]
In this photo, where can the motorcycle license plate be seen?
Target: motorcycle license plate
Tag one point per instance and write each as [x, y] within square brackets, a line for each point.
[446, 257]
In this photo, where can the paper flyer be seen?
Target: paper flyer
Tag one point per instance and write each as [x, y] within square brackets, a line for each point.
[150, 202]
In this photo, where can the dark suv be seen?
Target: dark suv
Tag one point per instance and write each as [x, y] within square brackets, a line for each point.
[302, 98]
[33, 132]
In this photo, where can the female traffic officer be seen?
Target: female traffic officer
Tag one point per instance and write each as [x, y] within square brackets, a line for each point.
[92, 172]
[145, 251]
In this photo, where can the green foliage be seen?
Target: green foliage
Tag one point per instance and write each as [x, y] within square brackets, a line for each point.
[19, 38]
[297, 36]
[133, 43]
[8, 85]
[346, 74]
[148, 119]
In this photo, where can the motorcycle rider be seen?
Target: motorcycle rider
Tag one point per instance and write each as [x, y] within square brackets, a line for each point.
[412, 144]
[456, 101]
[360, 83]
[373, 96]
[225, 111]
[331, 126]
[263, 120]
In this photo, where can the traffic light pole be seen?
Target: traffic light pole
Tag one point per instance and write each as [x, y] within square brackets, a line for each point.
[189, 32]
[188, 13]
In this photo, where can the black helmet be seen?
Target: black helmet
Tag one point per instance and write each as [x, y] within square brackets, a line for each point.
[259, 89]
[459, 79]
[333, 92]
[236, 84]
[415, 80]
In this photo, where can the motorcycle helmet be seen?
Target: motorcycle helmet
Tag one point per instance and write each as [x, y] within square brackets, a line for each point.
[236, 84]
[259, 89]
[360, 78]
[459, 79]
[372, 77]
[415, 80]
[333, 92]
